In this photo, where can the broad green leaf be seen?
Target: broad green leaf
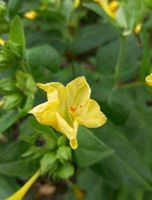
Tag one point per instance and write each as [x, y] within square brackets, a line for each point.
[88, 179]
[92, 36]
[44, 56]
[12, 151]
[90, 149]
[22, 168]
[130, 193]
[107, 60]
[13, 6]
[126, 166]
[7, 119]
[7, 186]
[17, 33]
[12, 163]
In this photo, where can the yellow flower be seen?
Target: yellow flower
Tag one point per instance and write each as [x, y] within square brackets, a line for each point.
[19, 195]
[109, 7]
[138, 28]
[148, 79]
[68, 107]
[31, 14]
[76, 3]
[2, 42]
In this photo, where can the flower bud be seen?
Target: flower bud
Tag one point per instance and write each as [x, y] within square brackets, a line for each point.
[64, 153]
[12, 101]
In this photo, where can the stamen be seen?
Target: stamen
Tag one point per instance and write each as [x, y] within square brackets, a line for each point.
[73, 109]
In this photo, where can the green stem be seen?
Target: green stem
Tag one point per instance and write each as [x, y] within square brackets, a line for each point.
[120, 58]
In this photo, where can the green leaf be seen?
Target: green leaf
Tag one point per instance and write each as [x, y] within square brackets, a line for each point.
[126, 166]
[7, 119]
[17, 33]
[65, 171]
[12, 163]
[88, 179]
[7, 186]
[107, 60]
[44, 56]
[47, 162]
[90, 149]
[92, 36]
[16, 148]
[20, 168]
[13, 6]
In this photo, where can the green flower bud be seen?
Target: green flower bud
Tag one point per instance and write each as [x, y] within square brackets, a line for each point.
[65, 171]
[62, 141]
[7, 85]
[12, 101]
[48, 162]
[64, 154]
[26, 83]
[10, 55]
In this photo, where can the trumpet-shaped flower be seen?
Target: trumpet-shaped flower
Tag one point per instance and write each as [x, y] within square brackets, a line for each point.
[30, 15]
[19, 195]
[148, 79]
[68, 107]
[109, 7]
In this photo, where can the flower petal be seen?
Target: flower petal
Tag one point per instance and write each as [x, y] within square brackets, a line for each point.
[77, 92]
[74, 143]
[91, 116]
[54, 90]
[45, 113]
[149, 79]
[63, 127]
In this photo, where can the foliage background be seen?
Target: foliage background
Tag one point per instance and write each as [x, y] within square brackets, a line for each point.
[113, 162]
